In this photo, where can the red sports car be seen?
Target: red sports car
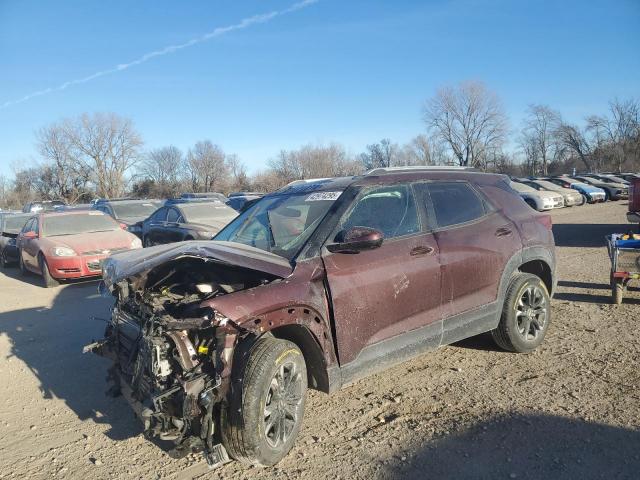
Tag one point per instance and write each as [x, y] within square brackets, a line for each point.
[70, 245]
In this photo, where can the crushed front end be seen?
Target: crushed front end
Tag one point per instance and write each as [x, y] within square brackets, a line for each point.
[172, 357]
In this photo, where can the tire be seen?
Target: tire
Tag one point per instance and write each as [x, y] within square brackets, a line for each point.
[47, 280]
[247, 434]
[145, 242]
[617, 290]
[607, 197]
[584, 200]
[522, 328]
[3, 260]
[23, 269]
[531, 203]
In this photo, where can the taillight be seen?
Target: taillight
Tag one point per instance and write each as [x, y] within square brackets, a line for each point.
[545, 220]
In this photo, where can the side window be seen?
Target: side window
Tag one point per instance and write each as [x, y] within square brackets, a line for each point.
[454, 203]
[26, 226]
[390, 209]
[160, 215]
[173, 215]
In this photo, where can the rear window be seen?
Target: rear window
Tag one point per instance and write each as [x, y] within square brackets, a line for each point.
[455, 203]
[13, 224]
[134, 210]
[73, 224]
[201, 212]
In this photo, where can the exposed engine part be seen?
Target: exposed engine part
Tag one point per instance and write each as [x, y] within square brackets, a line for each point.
[171, 354]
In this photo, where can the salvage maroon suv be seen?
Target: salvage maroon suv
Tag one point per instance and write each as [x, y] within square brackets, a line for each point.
[214, 343]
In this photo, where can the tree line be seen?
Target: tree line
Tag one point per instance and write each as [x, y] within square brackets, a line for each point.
[103, 155]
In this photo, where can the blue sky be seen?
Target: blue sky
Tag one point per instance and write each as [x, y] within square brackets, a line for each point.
[347, 71]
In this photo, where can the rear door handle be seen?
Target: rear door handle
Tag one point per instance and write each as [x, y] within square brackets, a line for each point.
[503, 232]
[422, 250]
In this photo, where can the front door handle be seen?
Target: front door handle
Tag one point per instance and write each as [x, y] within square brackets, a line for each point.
[422, 250]
[503, 232]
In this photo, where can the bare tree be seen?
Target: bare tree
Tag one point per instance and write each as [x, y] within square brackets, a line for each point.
[577, 142]
[620, 131]
[207, 167]
[381, 154]
[104, 144]
[538, 132]
[311, 161]
[421, 150]
[239, 177]
[61, 176]
[469, 119]
[162, 165]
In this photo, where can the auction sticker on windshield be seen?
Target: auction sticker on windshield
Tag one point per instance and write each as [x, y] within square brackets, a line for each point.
[319, 196]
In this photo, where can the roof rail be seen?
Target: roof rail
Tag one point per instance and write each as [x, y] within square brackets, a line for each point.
[306, 180]
[414, 168]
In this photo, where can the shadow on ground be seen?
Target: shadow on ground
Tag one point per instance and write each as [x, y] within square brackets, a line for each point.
[49, 341]
[586, 234]
[535, 446]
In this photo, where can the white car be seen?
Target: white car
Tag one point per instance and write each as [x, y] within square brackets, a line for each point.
[540, 200]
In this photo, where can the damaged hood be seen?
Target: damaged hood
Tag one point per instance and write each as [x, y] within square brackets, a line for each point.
[126, 264]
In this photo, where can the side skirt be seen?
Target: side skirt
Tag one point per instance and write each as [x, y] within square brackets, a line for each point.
[393, 351]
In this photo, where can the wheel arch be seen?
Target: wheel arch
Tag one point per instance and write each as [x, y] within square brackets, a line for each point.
[539, 268]
[317, 374]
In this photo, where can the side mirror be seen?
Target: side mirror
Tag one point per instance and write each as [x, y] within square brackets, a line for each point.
[29, 235]
[356, 239]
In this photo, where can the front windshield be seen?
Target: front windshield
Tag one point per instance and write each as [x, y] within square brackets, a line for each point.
[134, 209]
[280, 224]
[89, 222]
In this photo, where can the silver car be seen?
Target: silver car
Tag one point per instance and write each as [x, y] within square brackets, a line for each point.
[571, 197]
[538, 199]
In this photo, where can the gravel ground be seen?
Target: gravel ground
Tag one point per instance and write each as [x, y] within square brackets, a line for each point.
[569, 410]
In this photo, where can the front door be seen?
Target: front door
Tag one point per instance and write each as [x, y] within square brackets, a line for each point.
[380, 294]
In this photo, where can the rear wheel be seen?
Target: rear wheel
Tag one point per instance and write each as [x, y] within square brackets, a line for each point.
[47, 279]
[264, 415]
[525, 315]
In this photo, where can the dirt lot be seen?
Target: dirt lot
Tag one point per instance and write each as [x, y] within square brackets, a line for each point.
[569, 410]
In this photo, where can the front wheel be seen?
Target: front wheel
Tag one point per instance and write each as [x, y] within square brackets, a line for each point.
[3, 259]
[584, 200]
[525, 314]
[47, 280]
[264, 415]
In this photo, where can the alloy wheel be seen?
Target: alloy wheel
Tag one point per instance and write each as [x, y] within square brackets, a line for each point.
[531, 312]
[282, 404]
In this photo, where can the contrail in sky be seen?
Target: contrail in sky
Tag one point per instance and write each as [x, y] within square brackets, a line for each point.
[244, 23]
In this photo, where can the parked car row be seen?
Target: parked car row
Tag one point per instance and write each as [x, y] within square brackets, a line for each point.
[545, 193]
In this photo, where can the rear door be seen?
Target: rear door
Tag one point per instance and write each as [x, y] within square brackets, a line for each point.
[476, 241]
[380, 294]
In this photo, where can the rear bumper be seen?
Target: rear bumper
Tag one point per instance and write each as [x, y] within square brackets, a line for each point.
[76, 267]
